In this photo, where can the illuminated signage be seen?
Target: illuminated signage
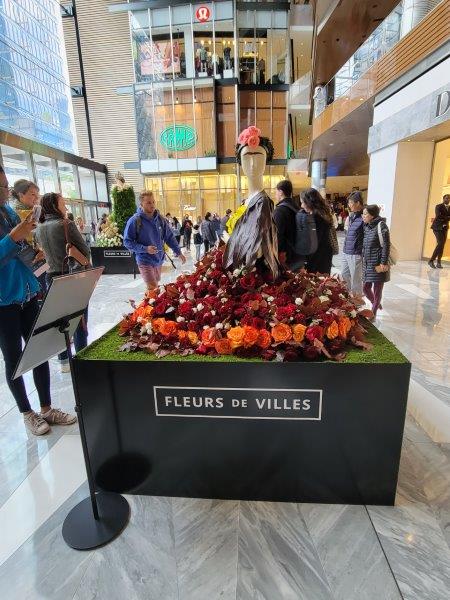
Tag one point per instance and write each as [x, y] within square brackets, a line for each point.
[178, 138]
[203, 14]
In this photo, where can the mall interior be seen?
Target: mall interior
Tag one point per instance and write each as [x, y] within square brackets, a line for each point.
[355, 97]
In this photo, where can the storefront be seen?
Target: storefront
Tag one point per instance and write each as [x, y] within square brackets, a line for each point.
[409, 148]
[82, 182]
[202, 74]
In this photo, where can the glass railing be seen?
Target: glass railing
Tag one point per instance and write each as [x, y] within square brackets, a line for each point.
[380, 41]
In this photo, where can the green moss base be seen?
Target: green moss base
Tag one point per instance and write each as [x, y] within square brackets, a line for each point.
[106, 348]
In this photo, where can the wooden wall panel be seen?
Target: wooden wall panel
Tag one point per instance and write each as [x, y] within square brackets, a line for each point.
[106, 48]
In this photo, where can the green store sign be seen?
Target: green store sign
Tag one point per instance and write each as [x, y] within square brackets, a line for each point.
[180, 137]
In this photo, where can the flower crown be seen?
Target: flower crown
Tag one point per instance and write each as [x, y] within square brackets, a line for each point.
[252, 138]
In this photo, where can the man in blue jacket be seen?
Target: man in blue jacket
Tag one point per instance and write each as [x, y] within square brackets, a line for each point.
[351, 269]
[145, 234]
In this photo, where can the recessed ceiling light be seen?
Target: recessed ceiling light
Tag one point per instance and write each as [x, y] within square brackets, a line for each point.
[408, 140]
[331, 143]
[361, 99]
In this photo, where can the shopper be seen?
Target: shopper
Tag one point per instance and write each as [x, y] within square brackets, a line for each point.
[198, 241]
[313, 203]
[26, 196]
[187, 232]
[84, 229]
[284, 217]
[208, 232]
[351, 263]
[18, 311]
[53, 234]
[440, 229]
[177, 229]
[145, 234]
[215, 226]
[376, 249]
[224, 221]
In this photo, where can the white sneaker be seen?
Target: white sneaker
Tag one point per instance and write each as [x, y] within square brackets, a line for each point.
[65, 367]
[55, 416]
[36, 424]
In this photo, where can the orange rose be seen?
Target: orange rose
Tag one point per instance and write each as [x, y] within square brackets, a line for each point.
[143, 312]
[333, 331]
[250, 336]
[223, 346]
[236, 336]
[299, 332]
[192, 337]
[345, 325]
[281, 333]
[182, 335]
[168, 328]
[264, 339]
[209, 337]
[157, 324]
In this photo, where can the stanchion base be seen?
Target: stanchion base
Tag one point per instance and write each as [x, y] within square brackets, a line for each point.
[82, 532]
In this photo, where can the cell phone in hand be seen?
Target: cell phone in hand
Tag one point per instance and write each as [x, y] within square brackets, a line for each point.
[35, 213]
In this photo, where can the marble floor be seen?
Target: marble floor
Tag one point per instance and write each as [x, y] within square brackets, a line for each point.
[188, 549]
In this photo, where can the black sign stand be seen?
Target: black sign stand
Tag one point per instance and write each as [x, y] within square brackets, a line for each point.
[102, 516]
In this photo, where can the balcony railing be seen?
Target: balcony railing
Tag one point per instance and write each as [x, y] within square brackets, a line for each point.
[300, 90]
[405, 17]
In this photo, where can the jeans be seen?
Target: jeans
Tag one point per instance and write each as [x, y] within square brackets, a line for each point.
[374, 294]
[207, 245]
[198, 248]
[351, 271]
[441, 238]
[80, 336]
[16, 322]
[187, 240]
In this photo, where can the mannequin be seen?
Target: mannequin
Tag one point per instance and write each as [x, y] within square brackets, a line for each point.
[253, 239]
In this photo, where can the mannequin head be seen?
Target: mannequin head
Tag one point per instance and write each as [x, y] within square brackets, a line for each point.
[253, 152]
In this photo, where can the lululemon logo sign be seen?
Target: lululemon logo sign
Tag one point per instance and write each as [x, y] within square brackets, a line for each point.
[203, 14]
[238, 403]
[443, 104]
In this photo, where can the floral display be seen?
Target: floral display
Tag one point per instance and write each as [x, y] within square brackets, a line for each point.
[300, 316]
[109, 235]
[250, 136]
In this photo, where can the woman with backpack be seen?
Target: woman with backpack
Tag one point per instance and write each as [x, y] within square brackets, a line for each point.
[375, 253]
[320, 261]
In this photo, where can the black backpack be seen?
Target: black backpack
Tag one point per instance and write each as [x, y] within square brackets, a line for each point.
[306, 242]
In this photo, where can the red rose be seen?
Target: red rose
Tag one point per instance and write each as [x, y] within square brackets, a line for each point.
[283, 300]
[239, 312]
[202, 349]
[290, 355]
[185, 309]
[248, 282]
[268, 354]
[315, 332]
[310, 353]
[160, 308]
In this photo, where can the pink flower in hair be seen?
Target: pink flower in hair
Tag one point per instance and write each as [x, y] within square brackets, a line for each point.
[250, 136]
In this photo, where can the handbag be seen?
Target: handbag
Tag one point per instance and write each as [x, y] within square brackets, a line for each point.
[393, 252]
[333, 240]
[72, 251]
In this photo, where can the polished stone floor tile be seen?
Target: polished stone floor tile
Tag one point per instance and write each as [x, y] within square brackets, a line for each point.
[44, 567]
[416, 550]
[349, 550]
[141, 562]
[277, 559]
[206, 547]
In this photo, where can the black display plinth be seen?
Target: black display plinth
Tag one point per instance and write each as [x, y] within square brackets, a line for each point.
[348, 451]
[116, 260]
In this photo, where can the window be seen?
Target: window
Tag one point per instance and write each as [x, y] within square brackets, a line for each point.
[102, 188]
[45, 173]
[69, 186]
[16, 163]
[87, 184]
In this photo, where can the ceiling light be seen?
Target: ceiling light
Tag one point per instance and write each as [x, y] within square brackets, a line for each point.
[361, 99]
[331, 144]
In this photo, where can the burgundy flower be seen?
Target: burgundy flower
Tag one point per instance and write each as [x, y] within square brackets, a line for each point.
[315, 332]
[291, 355]
[310, 353]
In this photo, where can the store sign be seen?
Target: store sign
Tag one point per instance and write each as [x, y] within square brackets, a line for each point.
[203, 14]
[238, 403]
[180, 137]
[443, 103]
[116, 253]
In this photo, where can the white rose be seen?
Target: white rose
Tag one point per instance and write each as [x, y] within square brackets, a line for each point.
[223, 300]
[353, 313]
[180, 319]
[323, 298]
[298, 301]
[236, 272]
[182, 300]
[213, 265]
[219, 325]
[187, 285]
[270, 299]
[200, 306]
[227, 326]
[213, 312]
[205, 326]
